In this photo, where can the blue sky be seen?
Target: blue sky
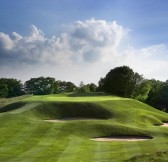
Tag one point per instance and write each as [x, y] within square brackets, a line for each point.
[143, 17]
[140, 28]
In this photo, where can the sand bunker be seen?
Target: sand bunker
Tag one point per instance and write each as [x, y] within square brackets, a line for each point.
[69, 119]
[164, 125]
[122, 138]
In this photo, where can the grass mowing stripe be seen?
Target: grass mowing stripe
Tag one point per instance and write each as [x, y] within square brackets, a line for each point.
[28, 155]
[24, 108]
[25, 142]
[15, 138]
[54, 151]
[132, 149]
[71, 151]
[12, 131]
[53, 144]
[101, 152]
[33, 152]
[86, 150]
[117, 152]
[18, 139]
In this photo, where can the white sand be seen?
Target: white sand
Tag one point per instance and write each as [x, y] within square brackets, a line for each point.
[70, 119]
[127, 138]
[165, 125]
[54, 121]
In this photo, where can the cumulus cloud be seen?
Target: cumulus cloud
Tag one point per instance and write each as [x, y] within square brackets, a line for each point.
[5, 42]
[83, 42]
[89, 48]
[97, 33]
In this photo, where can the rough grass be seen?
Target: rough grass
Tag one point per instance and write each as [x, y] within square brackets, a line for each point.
[25, 136]
[156, 157]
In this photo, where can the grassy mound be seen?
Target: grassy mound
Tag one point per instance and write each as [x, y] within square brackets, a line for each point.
[25, 136]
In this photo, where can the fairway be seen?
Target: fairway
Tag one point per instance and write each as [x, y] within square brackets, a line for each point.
[28, 132]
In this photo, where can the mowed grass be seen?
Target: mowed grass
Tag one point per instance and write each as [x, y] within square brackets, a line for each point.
[66, 98]
[25, 136]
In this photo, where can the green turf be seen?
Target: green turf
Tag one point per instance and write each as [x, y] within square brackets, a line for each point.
[25, 136]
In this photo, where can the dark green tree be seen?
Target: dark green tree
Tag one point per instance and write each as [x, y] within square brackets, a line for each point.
[162, 98]
[142, 90]
[14, 87]
[156, 87]
[120, 81]
[70, 87]
[3, 90]
[63, 86]
[158, 95]
[100, 87]
[92, 87]
[40, 85]
[84, 89]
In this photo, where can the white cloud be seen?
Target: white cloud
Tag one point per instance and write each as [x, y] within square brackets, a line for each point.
[85, 41]
[34, 35]
[151, 61]
[97, 32]
[86, 52]
[16, 37]
[5, 42]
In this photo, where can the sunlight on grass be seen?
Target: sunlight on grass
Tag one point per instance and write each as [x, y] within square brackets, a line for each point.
[73, 99]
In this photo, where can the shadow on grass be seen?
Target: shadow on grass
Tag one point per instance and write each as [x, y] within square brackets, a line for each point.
[12, 106]
[73, 110]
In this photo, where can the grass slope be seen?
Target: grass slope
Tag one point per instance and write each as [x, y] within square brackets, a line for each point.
[25, 136]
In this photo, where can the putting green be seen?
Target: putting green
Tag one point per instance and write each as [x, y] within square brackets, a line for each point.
[57, 98]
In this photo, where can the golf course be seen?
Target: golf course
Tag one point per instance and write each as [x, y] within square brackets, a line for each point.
[67, 128]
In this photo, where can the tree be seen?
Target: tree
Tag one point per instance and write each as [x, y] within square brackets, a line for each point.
[158, 95]
[40, 85]
[84, 89]
[92, 87]
[3, 90]
[142, 90]
[14, 86]
[100, 87]
[120, 81]
[156, 86]
[162, 98]
[63, 86]
[70, 87]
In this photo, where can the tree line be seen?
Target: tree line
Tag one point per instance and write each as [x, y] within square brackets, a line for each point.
[120, 81]
[10, 87]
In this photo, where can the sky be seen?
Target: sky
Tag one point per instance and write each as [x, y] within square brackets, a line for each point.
[82, 40]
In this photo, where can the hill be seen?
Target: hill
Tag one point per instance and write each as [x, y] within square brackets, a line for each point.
[27, 135]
